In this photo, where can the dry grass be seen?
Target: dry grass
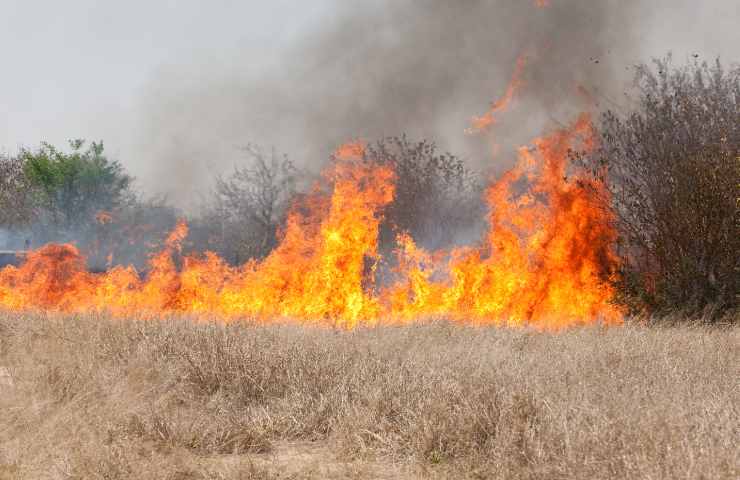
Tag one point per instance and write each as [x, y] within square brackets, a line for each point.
[173, 399]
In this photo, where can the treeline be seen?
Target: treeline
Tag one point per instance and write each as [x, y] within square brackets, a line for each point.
[671, 164]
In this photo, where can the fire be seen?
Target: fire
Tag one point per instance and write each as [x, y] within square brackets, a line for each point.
[545, 260]
[325, 264]
[103, 217]
[542, 3]
[321, 270]
[355, 149]
[479, 124]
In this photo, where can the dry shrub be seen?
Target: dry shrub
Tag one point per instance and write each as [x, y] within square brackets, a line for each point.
[241, 216]
[16, 196]
[673, 168]
[437, 197]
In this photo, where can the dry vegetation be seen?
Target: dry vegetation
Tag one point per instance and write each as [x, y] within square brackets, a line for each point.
[94, 398]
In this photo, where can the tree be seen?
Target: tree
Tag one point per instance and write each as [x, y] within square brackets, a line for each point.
[673, 170]
[244, 211]
[437, 197]
[71, 188]
[16, 199]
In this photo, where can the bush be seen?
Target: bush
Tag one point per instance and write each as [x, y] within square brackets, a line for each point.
[437, 197]
[80, 197]
[673, 170]
[128, 234]
[241, 217]
[16, 201]
[72, 188]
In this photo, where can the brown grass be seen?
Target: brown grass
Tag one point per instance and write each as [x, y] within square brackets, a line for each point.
[174, 399]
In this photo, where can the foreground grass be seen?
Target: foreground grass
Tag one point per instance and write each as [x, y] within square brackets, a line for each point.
[174, 399]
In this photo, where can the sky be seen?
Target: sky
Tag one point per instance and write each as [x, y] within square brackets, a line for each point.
[78, 68]
[174, 88]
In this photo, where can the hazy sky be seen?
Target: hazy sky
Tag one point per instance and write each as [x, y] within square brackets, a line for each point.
[78, 67]
[174, 87]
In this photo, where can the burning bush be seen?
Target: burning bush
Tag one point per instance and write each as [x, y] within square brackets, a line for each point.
[673, 168]
[82, 197]
[438, 198]
[548, 259]
[241, 217]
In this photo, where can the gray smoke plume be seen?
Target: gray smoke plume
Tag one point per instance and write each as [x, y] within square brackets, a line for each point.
[389, 67]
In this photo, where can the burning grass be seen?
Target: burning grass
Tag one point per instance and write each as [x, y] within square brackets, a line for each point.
[93, 397]
[548, 259]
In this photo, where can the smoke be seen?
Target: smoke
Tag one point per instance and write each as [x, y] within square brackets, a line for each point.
[419, 67]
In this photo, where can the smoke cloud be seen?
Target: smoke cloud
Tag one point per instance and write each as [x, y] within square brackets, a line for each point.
[420, 67]
[175, 88]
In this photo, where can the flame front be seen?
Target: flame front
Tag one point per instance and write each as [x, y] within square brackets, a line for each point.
[545, 260]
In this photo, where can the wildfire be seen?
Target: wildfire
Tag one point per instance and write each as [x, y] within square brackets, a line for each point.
[103, 217]
[545, 261]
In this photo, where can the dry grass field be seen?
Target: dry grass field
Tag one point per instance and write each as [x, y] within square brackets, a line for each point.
[92, 398]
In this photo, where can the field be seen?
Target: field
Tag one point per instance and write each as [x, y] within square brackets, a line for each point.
[94, 398]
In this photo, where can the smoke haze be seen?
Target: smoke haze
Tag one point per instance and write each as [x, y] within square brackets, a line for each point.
[371, 69]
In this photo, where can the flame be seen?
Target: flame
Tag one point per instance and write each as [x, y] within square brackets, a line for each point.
[542, 3]
[479, 124]
[355, 149]
[326, 261]
[321, 270]
[545, 260]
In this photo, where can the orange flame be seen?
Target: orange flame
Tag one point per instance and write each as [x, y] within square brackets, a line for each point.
[478, 124]
[547, 256]
[321, 270]
[545, 260]
[103, 217]
[355, 149]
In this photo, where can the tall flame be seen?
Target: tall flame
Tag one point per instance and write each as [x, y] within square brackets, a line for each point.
[545, 260]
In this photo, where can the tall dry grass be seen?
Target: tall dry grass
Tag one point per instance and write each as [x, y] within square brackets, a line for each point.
[90, 397]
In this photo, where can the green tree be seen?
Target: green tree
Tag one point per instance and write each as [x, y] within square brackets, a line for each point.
[72, 187]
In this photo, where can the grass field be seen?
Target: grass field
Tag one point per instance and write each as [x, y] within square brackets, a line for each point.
[93, 398]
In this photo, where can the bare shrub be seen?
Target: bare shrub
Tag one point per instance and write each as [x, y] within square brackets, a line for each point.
[16, 199]
[673, 168]
[241, 217]
[437, 197]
